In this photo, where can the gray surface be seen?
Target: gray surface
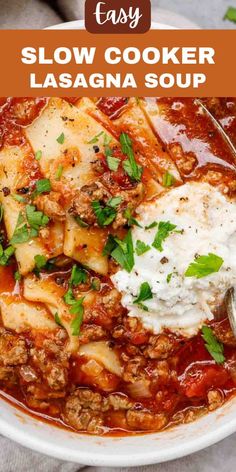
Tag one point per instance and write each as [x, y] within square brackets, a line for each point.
[37, 14]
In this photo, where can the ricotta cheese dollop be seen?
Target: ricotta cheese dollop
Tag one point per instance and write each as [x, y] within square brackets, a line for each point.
[205, 223]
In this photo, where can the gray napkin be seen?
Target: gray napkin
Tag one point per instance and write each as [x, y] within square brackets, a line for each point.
[17, 14]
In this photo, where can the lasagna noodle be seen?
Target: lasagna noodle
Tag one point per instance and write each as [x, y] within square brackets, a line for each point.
[75, 154]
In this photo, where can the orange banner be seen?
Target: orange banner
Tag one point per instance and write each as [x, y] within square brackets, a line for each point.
[157, 63]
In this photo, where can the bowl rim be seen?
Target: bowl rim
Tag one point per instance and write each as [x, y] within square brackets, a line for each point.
[154, 456]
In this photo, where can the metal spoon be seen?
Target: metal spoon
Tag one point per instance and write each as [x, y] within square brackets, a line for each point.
[230, 303]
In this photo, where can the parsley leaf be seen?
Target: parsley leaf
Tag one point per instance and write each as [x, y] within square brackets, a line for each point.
[130, 165]
[141, 248]
[18, 198]
[124, 252]
[107, 139]
[77, 309]
[17, 276]
[110, 245]
[145, 293]
[61, 138]
[230, 14]
[214, 347]
[164, 230]
[204, 266]
[113, 163]
[59, 172]
[40, 261]
[38, 155]
[169, 277]
[106, 215]
[22, 233]
[130, 219]
[69, 297]
[43, 186]
[35, 218]
[5, 254]
[58, 320]
[81, 223]
[95, 139]
[114, 202]
[78, 276]
[168, 179]
[96, 284]
[152, 225]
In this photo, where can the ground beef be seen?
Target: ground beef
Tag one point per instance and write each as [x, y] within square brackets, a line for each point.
[52, 361]
[145, 420]
[7, 375]
[160, 347]
[84, 411]
[13, 349]
[90, 333]
[215, 399]
[81, 205]
[185, 161]
[50, 206]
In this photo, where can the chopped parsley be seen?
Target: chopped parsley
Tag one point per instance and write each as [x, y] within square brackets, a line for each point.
[77, 309]
[59, 172]
[168, 179]
[121, 251]
[106, 214]
[96, 284]
[19, 198]
[95, 139]
[17, 276]
[38, 155]
[81, 223]
[204, 266]
[214, 347]
[107, 139]
[78, 276]
[169, 277]
[114, 202]
[61, 138]
[5, 254]
[130, 165]
[165, 228]
[43, 186]
[69, 297]
[141, 248]
[131, 221]
[152, 225]
[36, 218]
[58, 320]
[113, 162]
[40, 261]
[230, 14]
[27, 226]
[145, 293]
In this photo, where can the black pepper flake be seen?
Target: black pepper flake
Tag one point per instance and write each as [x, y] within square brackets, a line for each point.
[23, 190]
[96, 149]
[59, 280]
[164, 260]
[6, 191]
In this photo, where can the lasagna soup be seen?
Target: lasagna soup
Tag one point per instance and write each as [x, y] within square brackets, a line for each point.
[118, 237]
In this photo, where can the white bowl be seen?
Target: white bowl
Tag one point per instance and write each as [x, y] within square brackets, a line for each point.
[116, 451]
